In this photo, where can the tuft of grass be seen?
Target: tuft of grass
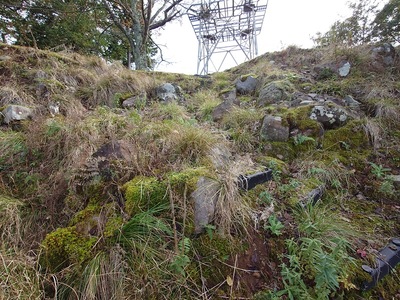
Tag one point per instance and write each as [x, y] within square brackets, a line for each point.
[204, 102]
[20, 276]
[190, 143]
[243, 125]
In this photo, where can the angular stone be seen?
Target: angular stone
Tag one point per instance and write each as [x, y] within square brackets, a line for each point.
[16, 113]
[226, 106]
[169, 92]
[274, 92]
[344, 70]
[205, 199]
[273, 130]
[135, 101]
[329, 117]
[246, 85]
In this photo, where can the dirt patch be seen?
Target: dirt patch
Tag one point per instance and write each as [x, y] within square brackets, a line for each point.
[257, 268]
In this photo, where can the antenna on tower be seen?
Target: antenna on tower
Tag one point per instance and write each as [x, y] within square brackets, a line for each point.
[226, 27]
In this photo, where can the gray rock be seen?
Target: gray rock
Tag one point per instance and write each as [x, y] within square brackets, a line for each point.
[16, 113]
[273, 130]
[344, 70]
[135, 101]
[384, 55]
[329, 117]
[301, 99]
[205, 199]
[220, 156]
[274, 92]
[169, 92]
[350, 101]
[246, 85]
[226, 106]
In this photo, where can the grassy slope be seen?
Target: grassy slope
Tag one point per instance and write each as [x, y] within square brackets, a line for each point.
[72, 231]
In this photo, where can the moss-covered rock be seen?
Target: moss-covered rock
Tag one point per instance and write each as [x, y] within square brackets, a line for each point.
[142, 193]
[64, 247]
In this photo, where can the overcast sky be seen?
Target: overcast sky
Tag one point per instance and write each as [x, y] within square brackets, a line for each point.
[287, 22]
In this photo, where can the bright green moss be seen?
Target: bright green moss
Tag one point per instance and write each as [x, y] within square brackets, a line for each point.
[352, 137]
[142, 193]
[112, 225]
[282, 150]
[188, 178]
[64, 247]
[83, 215]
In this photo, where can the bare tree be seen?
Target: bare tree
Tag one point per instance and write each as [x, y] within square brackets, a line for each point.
[137, 18]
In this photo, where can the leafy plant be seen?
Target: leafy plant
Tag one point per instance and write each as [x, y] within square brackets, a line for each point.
[379, 171]
[320, 255]
[179, 263]
[265, 197]
[300, 139]
[275, 226]
[210, 230]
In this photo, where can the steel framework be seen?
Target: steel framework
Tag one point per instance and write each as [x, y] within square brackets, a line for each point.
[225, 27]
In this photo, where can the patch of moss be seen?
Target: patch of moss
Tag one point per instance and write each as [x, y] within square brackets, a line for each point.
[352, 137]
[187, 177]
[112, 226]
[64, 247]
[214, 250]
[142, 193]
[281, 150]
[299, 118]
[83, 215]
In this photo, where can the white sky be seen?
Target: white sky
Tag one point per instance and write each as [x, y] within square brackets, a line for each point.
[287, 22]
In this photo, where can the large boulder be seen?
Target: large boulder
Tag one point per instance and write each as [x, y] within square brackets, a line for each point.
[246, 85]
[168, 92]
[273, 129]
[16, 113]
[275, 92]
[329, 117]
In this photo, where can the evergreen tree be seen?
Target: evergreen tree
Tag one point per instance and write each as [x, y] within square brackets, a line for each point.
[386, 26]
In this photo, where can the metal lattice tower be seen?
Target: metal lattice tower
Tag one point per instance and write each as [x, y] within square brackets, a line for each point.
[226, 27]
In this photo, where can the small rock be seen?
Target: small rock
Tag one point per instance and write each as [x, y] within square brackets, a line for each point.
[5, 57]
[257, 275]
[350, 101]
[344, 70]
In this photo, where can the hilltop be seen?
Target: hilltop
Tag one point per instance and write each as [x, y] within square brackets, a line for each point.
[120, 184]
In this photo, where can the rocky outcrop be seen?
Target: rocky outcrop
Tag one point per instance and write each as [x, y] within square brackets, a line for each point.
[384, 56]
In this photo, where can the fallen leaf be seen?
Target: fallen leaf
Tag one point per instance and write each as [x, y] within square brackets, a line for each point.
[229, 280]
